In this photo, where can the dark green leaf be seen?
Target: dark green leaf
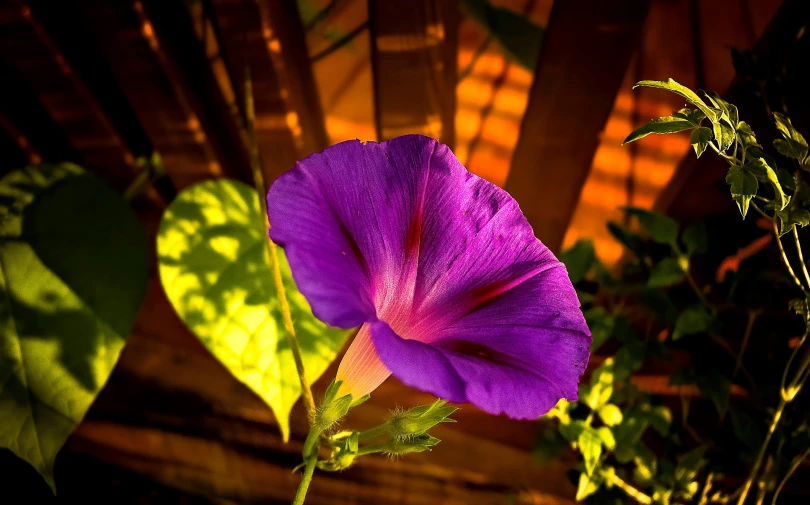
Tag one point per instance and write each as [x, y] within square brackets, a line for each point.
[215, 269]
[724, 135]
[746, 429]
[667, 272]
[696, 239]
[689, 465]
[659, 227]
[675, 87]
[629, 358]
[760, 169]
[590, 445]
[600, 324]
[791, 217]
[573, 429]
[729, 111]
[691, 321]
[660, 304]
[629, 432]
[517, 35]
[794, 145]
[629, 239]
[661, 125]
[660, 418]
[717, 387]
[745, 135]
[785, 177]
[695, 116]
[744, 187]
[700, 139]
[578, 259]
[73, 271]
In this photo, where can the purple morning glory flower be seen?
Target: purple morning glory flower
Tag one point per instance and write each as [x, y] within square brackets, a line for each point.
[454, 294]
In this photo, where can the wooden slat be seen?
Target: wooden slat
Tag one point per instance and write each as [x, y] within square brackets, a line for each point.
[24, 116]
[27, 48]
[156, 87]
[175, 33]
[285, 40]
[413, 56]
[586, 50]
[240, 27]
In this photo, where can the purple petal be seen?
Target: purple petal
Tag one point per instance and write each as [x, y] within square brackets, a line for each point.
[417, 364]
[343, 216]
[521, 352]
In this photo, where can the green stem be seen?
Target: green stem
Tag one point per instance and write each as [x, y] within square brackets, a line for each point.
[777, 415]
[796, 463]
[141, 182]
[724, 155]
[785, 258]
[801, 256]
[793, 355]
[630, 490]
[306, 480]
[752, 317]
[699, 292]
[374, 432]
[272, 251]
[692, 283]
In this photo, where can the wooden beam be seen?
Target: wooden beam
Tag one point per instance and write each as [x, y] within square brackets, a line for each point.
[586, 50]
[285, 39]
[414, 57]
[46, 81]
[169, 107]
[239, 27]
[24, 116]
[175, 33]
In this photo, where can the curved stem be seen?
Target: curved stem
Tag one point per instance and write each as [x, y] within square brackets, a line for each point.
[758, 462]
[785, 259]
[374, 432]
[801, 256]
[790, 362]
[306, 480]
[272, 250]
[699, 292]
[630, 490]
[752, 317]
[789, 474]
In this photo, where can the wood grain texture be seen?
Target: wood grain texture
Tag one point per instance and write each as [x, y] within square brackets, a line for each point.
[41, 77]
[240, 25]
[414, 47]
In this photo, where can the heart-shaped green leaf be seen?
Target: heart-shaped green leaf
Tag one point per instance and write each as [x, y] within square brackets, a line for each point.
[73, 272]
[215, 269]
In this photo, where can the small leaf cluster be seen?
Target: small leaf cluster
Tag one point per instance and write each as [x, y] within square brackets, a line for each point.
[752, 173]
[658, 312]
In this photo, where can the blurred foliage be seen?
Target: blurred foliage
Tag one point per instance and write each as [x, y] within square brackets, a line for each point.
[73, 271]
[214, 266]
[654, 316]
[516, 34]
